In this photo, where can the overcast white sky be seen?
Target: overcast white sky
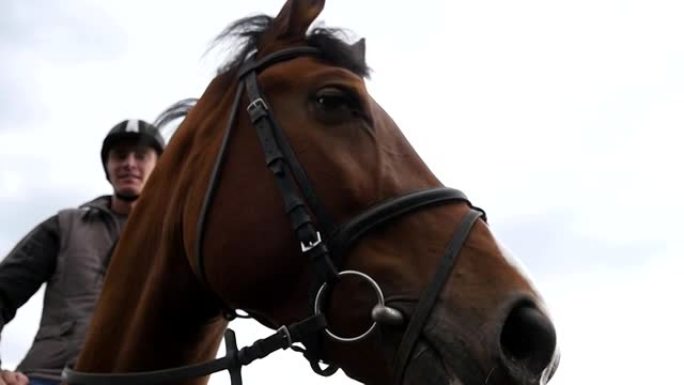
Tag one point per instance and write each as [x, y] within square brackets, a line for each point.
[562, 119]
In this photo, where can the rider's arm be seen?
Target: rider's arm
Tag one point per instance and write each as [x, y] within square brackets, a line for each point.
[27, 267]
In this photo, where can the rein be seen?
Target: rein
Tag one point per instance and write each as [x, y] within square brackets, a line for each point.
[317, 243]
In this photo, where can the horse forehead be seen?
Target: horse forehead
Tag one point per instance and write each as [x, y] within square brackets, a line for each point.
[309, 69]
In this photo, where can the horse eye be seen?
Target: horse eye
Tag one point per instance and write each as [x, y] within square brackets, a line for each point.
[332, 99]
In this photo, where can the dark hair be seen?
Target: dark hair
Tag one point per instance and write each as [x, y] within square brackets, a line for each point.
[245, 36]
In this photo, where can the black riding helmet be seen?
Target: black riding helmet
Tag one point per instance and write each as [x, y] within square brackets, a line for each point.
[132, 129]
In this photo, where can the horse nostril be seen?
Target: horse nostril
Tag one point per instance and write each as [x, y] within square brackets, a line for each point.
[528, 339]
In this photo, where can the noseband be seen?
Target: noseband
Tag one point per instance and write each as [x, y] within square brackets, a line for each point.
[321, 240]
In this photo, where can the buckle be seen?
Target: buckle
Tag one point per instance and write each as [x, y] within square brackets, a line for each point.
[257, 103]
[310, 245]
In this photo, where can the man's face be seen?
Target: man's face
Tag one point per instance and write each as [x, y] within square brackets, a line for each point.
[129, 165]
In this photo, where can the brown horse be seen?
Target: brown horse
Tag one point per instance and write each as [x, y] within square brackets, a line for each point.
[213, 232]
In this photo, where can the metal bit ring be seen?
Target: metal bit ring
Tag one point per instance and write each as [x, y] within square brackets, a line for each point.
[378, 292]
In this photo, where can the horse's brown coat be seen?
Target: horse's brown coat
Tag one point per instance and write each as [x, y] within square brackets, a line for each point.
[154, 313]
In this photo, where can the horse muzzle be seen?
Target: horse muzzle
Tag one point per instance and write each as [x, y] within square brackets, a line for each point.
[523, 351]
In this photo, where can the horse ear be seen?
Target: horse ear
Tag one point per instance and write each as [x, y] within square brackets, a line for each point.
[358, 50]
[295, 18]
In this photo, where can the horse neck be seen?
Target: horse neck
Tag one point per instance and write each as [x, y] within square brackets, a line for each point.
[153, 312]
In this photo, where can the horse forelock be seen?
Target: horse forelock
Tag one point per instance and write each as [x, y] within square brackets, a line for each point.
[254, 34]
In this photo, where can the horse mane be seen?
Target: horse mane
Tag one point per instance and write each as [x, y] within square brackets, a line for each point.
[245, 36]
[178, 110]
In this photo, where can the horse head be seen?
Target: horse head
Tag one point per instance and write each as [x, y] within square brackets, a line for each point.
[289, 193]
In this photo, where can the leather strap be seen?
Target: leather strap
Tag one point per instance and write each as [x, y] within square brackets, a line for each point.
[252, 65]
[347, 234]
[234, 359]
[275, 144]
[430, 295]
[283, 164]
[213, 185]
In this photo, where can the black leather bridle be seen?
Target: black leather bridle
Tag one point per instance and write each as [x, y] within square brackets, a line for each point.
[321, 240]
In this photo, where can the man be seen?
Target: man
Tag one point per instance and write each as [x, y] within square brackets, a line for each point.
[70, 252]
